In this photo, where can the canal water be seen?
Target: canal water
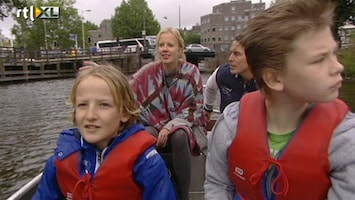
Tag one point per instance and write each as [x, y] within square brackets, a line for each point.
[31, 117]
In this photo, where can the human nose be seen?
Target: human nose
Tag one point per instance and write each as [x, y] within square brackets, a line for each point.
[231, 58]
[337, 66]
[163, 47]
[91, 112]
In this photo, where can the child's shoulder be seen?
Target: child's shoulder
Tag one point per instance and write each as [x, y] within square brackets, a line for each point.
[69, 141]
[229, 117]
[348, 124]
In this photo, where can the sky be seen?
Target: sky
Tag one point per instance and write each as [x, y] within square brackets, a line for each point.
[165, 11]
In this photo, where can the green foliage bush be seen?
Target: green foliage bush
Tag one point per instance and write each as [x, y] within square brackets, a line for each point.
[347, 58]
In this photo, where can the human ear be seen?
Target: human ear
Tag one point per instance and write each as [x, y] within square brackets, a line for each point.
[273, 79]
[124, 118]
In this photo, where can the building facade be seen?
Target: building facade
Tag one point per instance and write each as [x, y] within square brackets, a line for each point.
[346, 34]
[219, 28]
[4, 41]
[103, 33]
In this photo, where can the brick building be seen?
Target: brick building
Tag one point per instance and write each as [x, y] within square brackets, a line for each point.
[346, 33]
[219, 28]
[103, 33]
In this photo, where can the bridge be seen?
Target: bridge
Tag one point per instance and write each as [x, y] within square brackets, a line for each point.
[22, 65]
[195, 57]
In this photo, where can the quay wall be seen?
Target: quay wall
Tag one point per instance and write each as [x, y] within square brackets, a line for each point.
[42, 69]
[21, 67]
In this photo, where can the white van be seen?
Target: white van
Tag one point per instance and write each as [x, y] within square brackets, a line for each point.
[107, 46]
[131, 45]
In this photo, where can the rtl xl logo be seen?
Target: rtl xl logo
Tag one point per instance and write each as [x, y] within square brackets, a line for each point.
[43, 12]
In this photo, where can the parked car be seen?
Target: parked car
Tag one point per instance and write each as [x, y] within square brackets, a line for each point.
[197, 48]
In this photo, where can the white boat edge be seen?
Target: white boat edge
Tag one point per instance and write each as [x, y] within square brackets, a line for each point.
[25, 190]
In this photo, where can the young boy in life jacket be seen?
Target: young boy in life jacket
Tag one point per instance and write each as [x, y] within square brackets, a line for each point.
[292, 139]
[108, 155]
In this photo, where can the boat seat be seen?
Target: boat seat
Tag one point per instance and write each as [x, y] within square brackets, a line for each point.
[197, 171]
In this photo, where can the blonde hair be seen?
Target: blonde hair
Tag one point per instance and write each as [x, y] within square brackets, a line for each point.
[269, 36]
[120, 89]
[175, 32]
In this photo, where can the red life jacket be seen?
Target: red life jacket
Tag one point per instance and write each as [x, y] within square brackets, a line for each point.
[303, 166]
[114, 178]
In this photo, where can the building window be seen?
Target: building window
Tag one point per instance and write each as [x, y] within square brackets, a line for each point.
[224, 47]
[226, 18]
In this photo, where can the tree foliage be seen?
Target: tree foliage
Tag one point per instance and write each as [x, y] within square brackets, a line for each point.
[31, 35]
[131, 18]
[192, 38]
[6, 7]
[347, 58]
[345, 11]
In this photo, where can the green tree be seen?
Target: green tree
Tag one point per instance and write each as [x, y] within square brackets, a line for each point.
[192, 38]
[131, 18]
[347, 58]
[90, 26]
[345, 11]
[6, 7]
[31, 35]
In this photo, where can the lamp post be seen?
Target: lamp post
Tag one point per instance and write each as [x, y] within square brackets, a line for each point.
[45, 33]
[144, 32]
[82, 27]
[179, 18]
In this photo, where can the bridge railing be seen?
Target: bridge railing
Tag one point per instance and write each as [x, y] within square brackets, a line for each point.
[14, 55]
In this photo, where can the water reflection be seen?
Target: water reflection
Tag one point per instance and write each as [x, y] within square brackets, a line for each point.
[31, 116]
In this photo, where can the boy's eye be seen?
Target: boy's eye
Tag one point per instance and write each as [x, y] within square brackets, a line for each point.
[319, 60]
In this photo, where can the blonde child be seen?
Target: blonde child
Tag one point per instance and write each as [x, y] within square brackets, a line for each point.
[108, 155]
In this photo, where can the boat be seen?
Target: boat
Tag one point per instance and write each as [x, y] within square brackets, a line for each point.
[197, 174]
[27, 191]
